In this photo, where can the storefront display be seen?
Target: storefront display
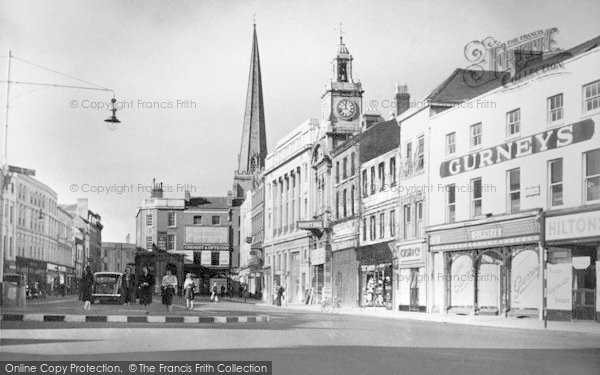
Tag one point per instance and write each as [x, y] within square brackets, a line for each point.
[377, 285]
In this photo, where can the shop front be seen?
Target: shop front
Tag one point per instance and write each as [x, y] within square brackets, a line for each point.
[411, 278]
[344, 264]
[488, 267]
[321, 275]
[34, 271]
[375, 275]
[572, 239]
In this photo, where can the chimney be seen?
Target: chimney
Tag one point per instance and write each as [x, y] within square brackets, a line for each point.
[157, 190]
[188, 196]
[82, 207]
[128, 238]
[402, 98]
[230, 198]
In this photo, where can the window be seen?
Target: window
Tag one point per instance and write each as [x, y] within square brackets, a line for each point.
[407, 221]
[555, 108]
[337, 172]
[372, 180]
[476, 197]
[381, 175]
[513, 122]
[514, 190]
[344, 204]
[149, 220]
[149, 242]
[381, 225]
[364, 183]
[450, 143]
[555, 193]
[352, 200]
[171, 219]
[393, 171]
[373, 228]
[591, 95]
[475, 135]
[197, 219]
[216, 220]
[170, 242]
[419, 212]
[214, 258]
[364, 230]
[345, 168]
[392, 223]
[337, 204]
[352, 164]
[592, 176]
[451, 203]
[420, 157]
[409, 150]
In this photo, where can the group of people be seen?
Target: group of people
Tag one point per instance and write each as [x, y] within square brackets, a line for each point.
[142, 288]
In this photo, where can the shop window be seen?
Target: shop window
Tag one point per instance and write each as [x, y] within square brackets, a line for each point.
[475, 135]
[514, 190]
[419, 214]
[476, 197]
[214, 258]
[591, 181]
[513, 122]
[555, 179]
[450, 143]
[591, 96]
[450, 203]
[381, 225]
[555, 108]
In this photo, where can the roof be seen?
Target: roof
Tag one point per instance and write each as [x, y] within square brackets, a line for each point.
[465, 84]
[209, 202]
[379, 139]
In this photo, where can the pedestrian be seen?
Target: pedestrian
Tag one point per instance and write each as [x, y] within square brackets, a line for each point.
[169, 286]
[222, 291]
[245, 292]
[188, 287]
[145, 286]
[214, 297]
[87, 283]
[128, 286]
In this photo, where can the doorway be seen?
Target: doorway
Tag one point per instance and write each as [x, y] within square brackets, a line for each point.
[414, 290]
[584, 288]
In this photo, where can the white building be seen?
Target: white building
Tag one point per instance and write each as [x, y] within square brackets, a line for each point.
[508, 158]
[287, 200]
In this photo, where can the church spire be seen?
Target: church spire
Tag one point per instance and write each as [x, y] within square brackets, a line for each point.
[253, 150]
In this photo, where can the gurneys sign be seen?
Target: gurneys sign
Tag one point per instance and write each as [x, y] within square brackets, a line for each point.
[547, 140]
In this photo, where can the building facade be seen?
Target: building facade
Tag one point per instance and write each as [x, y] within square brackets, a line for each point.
[116, 256]
[504, 197]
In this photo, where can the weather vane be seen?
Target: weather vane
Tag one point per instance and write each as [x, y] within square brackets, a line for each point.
[341, 32]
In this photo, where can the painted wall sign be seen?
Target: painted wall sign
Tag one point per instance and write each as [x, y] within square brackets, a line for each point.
[560, 280]
[547, 140]
[584, 224]
[410, 253]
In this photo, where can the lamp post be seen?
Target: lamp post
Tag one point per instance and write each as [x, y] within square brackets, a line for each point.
[5, 171]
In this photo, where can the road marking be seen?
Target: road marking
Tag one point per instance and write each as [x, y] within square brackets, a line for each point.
[34, 317]
[75, 318]
[116, 318]
[220, 319]
[155, 319]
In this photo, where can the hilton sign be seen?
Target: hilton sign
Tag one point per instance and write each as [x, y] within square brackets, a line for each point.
[548, 140]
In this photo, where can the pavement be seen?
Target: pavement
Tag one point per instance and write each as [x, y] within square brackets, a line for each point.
[471, 320]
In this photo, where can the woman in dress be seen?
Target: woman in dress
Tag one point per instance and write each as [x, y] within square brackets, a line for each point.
[129, 286]
[145, 285]
[87, 283]
[169, 286]
[188, 287]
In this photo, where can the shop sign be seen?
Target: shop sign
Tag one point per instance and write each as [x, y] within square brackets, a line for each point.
[192, 246]
[310, 224]
[584, 224]
[581, 263]
[544, 141]
[205, 258]
[317, 256]
[486, 234]
[410, 253]
[52, 267]
[224, 258]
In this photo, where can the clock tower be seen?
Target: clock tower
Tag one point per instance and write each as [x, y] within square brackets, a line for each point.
[342, 99]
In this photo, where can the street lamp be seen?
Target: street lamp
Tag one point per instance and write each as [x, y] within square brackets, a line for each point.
[4, 170]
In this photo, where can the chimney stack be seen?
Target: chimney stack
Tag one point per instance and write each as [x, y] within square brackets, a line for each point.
[188, 196]
[402, 98]
[157, 190]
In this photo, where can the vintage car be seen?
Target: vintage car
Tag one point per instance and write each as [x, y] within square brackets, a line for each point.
[107, 287]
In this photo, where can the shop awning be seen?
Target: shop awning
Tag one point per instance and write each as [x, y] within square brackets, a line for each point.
[375, 254]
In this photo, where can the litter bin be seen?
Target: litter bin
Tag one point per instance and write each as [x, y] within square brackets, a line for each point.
[13, 290]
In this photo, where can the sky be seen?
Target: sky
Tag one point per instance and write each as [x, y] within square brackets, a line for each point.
[179, 70]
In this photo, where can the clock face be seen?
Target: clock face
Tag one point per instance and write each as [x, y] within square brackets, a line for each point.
[346, 109]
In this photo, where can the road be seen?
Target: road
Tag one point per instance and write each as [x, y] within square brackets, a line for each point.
[300, 342]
